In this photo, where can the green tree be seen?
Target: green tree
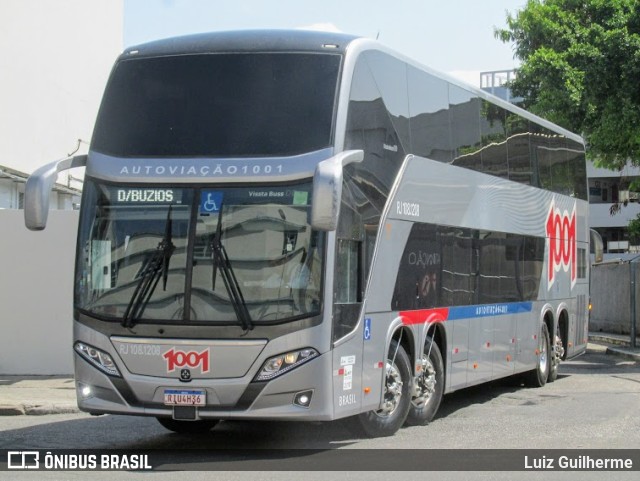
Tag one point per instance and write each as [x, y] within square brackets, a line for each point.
[581, 69]
[634, 230]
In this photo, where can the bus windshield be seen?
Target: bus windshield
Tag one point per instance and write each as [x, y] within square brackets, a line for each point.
[150, 253]
[218, 105]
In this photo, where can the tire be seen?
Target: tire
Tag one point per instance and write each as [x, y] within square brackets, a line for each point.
[538, 376]
[428, 387]
[187, 427]
[397, 398]
[556, 356]
[553, 372]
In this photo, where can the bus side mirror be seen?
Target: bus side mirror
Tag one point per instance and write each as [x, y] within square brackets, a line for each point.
[327, 189]
[597, 247]
[38, 188]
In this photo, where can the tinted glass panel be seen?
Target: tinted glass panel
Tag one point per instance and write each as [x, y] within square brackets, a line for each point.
[494, 140]
[562, 179]
[518, 135]
[577, 163]
[464, 112]
[450, 124]
[458, 266]
[419, 283]
[347, 273]
[370, 128]
[447, 266]
[582, 263]
[542, 155]
[429, 110]
[533, 258]
[510, 267]
[122, 231]
[390, 76]
[272, 251]
[218, 105]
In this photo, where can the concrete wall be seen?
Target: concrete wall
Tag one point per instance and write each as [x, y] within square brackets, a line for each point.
[36, 289]
[610, 297]
[55, 58]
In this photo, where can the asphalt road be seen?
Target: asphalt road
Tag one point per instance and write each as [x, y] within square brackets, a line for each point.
[594, 403]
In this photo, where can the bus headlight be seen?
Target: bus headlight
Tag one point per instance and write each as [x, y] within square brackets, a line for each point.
[278, 365]
[98, 358]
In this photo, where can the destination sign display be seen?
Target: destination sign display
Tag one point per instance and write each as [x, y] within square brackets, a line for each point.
[137, 195]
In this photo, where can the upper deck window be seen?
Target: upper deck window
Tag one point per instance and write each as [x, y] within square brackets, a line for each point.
[219, 105]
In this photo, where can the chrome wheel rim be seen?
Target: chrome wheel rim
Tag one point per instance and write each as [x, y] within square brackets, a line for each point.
[392, 391]
[542, 361]
[425, 384]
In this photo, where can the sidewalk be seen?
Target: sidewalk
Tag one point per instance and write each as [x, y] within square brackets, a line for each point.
[37, 395]
[616, 344]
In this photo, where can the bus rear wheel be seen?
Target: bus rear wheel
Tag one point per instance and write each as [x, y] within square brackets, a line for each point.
[538, 376]
[396, 400]
[428, 386]
[556, 356]
[187, 427]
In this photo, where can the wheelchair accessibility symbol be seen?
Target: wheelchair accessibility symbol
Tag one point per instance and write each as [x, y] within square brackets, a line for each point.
[367, 329]
[210, 201]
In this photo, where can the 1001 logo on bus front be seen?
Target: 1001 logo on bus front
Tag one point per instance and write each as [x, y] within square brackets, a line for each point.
[177, 359]
[561, 233]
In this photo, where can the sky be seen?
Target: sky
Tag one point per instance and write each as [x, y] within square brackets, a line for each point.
[453, 36]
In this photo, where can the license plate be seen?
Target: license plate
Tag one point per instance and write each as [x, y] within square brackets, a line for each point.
[184, 397]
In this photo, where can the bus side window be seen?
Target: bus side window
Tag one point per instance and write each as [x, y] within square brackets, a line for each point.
[348, 280]
[347, 275]
[347, 287]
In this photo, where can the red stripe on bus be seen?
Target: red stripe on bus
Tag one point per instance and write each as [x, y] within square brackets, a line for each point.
[420, 316]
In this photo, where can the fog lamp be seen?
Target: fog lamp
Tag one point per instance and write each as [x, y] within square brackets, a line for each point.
[303, 399]
[84, 391]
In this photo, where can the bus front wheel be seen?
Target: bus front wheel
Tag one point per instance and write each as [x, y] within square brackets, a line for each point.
[396, 399]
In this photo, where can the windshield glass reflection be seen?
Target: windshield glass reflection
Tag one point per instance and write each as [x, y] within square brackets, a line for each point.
[273, 258]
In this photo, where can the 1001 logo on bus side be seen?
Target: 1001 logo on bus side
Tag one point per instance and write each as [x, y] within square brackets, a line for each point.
[561, 232]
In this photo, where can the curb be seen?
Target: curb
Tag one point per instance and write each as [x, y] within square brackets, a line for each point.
[612, 340]
[37, 409]
[616, 345]
[11, 410]
[627, 354]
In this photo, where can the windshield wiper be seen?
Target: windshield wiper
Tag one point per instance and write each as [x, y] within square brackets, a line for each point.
[155, 268]
[221, 261]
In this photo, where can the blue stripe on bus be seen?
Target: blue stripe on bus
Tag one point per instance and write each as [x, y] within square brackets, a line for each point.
[485, 310]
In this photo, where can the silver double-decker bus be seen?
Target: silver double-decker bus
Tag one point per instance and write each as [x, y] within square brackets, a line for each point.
[304, 225]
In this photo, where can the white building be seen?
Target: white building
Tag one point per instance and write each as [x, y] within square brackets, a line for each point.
[55, 58]
[606, 188]
[63, 197]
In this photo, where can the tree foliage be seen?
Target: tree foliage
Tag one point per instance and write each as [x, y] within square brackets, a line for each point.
[581, 69]
[634, 230]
